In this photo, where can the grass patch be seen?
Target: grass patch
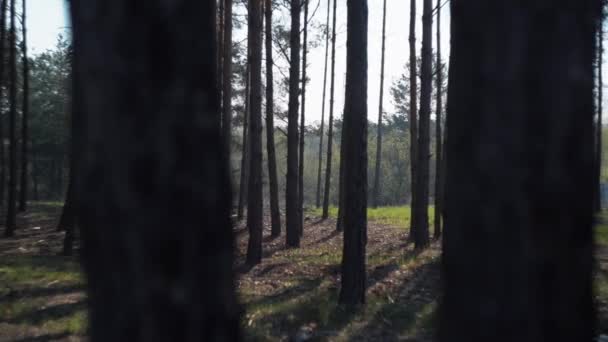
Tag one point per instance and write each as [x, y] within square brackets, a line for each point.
[398, 216]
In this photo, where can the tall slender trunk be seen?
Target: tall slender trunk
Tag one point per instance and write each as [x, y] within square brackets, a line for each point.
[421, 223]
[25, 113]
[381, 98]
[352, 291]
[322, 131]
[518, 240]
[220, 54]
[255, 207]
[292, 219]
[273, 183]
[12, 176]
[438, 137]
[2, 78]
[303, 123]
[413, 113]
[330, 125]
[227, 82]
[243, 184]
[600, 99]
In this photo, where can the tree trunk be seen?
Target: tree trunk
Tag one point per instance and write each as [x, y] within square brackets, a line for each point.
[321, 135]
[12, 176]
[273, 183]
[25, 114]
[302, 124]
[421, 223]
[340, 218]
[330, 126]
[379, 135]
[163, 167]
[243, 184]
[292, 219]
[438, 137]
[518, 247]
[413, 124]
[352, 291]
[255, 207]
[227, 82]
[2, 79]
[600, 105]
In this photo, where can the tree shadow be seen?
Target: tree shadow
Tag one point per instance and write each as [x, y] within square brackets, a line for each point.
[31, 293]
[54, 312]
[44, 338]
[326, 238]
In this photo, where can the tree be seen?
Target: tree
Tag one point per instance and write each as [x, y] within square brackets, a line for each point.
[421, 190]
[330, 125]
[227, 79]
[273, 183]
[255, 205]
[413, 112]
[12, 175]
[600, 108]
[302, 124]
[2, 58]
[518, 240]
[318, 193]
[244, 177]
[24, 114]
[380, 113]
[162, 168]
[292, 219]
[438, 137]
[352, 291]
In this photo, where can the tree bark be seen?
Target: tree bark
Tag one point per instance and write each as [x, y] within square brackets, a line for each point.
[322, 131]
[518, 240]
[244, 177]
[227, 82]
[303, 124]
[25, 114]
[381, 97]
[352, 291]
[413, 118]
[600, 105]
[2, 79]
[163, 167]
[421, 221]
[438, 137]
[273, 183]
[255, 207]
[292, 219]
[12, 176]
[330, 126]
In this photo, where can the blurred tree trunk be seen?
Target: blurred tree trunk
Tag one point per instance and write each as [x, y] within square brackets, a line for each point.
[518, 247]
[600, 108]
[244, 175]
[164, 167]
[421, 213]
[303, 123]
[322, 130]
[2, 78]
[24, 113]
[292, 218]
[330, 126]
[227, 82]
[381, 97]
[12, 175]
[255, 207]
[273, 183]
[438, 136]
[354, 163]
[413, 120]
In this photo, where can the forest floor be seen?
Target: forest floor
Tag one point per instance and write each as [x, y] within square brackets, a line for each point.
[291, 295]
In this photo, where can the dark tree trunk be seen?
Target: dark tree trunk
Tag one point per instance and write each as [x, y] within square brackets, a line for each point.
[302, 124]
[438, 137]
[321, 134]
[340, 218]
[273, 183]
[25, 114]
[227, 82]
[600, 105]
[413, 119]
[255, 207]
[381, 97]
[421, 213]
[518, 249]
[2, 78]
[354, 164]
[164, 167]
[292, 219]
[330, 126]
[12, 175]
[244, 181]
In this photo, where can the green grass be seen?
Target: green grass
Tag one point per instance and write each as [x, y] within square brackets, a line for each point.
[398, 216]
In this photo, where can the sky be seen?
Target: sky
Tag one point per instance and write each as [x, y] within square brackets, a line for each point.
[48, 18]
